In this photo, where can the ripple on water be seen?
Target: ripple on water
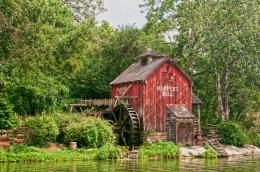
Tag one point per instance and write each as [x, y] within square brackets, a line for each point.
[235, 164]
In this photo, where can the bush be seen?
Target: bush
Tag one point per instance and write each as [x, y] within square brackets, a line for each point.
[160, 149]
[231, 133]
[254, 136]
[43, 130]
[63, 121]
[209, 152]
[107, 152]
[8, 119]
[21, 148]
[90, 133]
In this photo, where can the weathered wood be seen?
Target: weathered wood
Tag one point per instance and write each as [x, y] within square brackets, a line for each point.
[217, 146]
[90, 103]
[180, 125]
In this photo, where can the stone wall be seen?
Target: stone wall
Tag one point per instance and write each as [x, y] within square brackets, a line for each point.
[158, 136]
[11, 137]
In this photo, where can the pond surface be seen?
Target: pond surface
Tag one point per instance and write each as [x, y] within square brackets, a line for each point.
[231, 164]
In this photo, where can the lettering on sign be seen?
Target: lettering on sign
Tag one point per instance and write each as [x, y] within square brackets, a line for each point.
[167, 91]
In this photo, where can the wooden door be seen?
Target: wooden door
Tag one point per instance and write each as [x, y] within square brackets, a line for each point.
[185, 133]
[171, 128]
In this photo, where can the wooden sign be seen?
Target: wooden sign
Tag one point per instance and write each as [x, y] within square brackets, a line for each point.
[167, 91]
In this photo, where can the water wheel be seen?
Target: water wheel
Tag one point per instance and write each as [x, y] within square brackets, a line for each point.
[127, 125]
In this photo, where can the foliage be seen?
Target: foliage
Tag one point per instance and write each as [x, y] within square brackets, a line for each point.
[107, 152]
[63, 121]
[30, 36]
[44, 95]
[89, 133]
[160, 150]
[232, 133]
[209, 152]
[217, 43]
[254, 136]
[21, 148]
[24, 153]
[43, 130]
[7, 117]
[84, 9]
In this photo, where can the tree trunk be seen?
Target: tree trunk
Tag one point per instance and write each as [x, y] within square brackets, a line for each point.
[218, 90]
[225, 93]
[219, 97]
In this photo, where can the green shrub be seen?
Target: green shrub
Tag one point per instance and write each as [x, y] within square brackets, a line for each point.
[160, 149]
[63, 121]
[89, 133]
[107, 152]
[8, 119]
[254, 136]
[209, 152]
[43, 129]
[21, 148]
[231, 133]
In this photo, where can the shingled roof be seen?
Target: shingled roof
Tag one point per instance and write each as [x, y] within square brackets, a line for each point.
[180, 112]
[196, 100]
[138, 72]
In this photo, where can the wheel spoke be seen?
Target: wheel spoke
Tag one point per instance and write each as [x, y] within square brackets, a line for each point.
[125, 121]
[126, 131]
[123, 138]
[114, 115]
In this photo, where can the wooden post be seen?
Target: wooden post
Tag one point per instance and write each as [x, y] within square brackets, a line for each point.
[73, 145]
[199, 126]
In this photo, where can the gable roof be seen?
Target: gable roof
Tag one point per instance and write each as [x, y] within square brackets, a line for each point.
[139, 73]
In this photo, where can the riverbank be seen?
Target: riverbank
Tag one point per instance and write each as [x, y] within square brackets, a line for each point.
[33, 154]
[23, 153]
[198, 151]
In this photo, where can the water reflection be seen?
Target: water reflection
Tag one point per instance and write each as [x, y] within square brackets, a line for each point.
[231, 164]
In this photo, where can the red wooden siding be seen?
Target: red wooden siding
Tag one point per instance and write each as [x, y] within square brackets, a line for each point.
[155, 101]
[136, 90]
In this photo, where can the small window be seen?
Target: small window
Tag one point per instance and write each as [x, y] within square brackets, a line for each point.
[167, 76]
[171, 77]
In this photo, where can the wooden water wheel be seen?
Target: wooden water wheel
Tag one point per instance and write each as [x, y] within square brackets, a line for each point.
[127, 125]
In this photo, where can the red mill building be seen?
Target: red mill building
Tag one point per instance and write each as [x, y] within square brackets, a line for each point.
[155, 94]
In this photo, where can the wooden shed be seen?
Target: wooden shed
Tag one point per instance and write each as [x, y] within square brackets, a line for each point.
[154, 87]
[179, 125]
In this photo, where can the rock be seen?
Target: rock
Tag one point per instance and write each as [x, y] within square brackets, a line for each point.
[133, 154]
[243, 151]
[4, 145]
[192, 151]
[18, 141]
[249, 146]
[4, 138]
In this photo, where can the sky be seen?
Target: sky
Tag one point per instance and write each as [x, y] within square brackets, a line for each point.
[122, 12]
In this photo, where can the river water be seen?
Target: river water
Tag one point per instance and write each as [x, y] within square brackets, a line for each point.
[240, 164]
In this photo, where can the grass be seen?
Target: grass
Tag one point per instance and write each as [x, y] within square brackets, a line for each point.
[25, 154]
[165, 150]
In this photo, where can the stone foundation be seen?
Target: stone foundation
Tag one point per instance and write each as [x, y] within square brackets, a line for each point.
[158, 136]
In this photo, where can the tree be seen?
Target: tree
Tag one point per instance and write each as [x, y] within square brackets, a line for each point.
[218, 41]
[31, 31]
[85, 9]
